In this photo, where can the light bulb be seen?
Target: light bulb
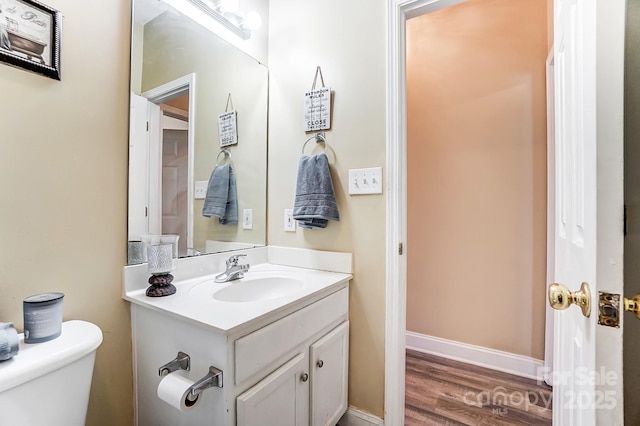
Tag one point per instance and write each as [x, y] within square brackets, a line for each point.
[252, 21]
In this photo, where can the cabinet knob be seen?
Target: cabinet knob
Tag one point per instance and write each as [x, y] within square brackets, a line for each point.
[320, 363]
[304, 377]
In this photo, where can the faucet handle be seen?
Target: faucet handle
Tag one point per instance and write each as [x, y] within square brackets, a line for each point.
[233, 260]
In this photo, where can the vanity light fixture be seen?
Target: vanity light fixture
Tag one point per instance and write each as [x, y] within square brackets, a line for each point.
[229, 6]
[223, 12]
[252, 21]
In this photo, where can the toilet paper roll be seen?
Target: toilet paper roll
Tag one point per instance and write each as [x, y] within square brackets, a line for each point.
[9, 341]
[174, 388]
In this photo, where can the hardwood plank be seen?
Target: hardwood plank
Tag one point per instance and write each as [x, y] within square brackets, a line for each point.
[441, 391]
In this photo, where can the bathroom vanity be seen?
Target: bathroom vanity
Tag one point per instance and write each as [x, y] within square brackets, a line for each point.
[280, 336]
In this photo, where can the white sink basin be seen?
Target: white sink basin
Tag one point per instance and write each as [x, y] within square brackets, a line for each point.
[230, 306]
[255, 289]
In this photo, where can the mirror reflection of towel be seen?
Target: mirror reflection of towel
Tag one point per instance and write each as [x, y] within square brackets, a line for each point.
[315, 201]
[221, 200]
[231, 209]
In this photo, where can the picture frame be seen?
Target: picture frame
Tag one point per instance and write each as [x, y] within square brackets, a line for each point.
[30, 36]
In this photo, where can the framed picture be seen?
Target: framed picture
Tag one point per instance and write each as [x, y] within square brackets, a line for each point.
[30, 36]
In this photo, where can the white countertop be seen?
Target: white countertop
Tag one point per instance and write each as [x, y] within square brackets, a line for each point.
[194, 299]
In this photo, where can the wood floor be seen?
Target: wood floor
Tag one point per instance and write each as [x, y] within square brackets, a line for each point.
[440, 391]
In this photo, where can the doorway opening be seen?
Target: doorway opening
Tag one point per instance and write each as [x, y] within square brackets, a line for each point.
[175, 168]
[161, 157]
[475, 189]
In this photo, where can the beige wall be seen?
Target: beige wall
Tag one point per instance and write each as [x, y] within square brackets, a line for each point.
[347, 39]
[63, 180]
[549, 25]
[477, 174]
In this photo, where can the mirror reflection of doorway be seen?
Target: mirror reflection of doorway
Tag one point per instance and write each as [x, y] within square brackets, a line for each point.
[161, 162]
[175, 168]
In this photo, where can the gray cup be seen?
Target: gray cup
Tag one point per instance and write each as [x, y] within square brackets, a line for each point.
[42, 317]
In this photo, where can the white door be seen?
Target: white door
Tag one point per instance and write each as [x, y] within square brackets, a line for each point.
[138, 168]
[588, 235]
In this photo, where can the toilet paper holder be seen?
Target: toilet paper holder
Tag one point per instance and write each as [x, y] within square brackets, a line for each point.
[181, 362]
[212, 379]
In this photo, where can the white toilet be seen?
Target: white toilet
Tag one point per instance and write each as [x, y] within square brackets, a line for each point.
[48, 383]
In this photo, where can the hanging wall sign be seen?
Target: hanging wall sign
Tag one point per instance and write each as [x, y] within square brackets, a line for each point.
[228, 128]
[317, 109]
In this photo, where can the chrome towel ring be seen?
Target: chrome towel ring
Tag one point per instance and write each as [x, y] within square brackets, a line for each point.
[319, 138]
[227, 155]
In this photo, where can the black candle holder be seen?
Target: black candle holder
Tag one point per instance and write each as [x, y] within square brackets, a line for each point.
[161, 285]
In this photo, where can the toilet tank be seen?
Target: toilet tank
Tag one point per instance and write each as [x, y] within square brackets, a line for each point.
[48, 383]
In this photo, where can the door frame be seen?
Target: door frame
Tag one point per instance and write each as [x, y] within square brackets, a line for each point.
[396, 199]
[158, 95]
[547, 375]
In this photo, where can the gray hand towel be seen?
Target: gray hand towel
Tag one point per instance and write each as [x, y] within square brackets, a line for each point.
[315, 201]
[231, 209]
[215, 202]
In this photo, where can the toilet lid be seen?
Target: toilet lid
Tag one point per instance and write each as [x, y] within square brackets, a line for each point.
[78, 338]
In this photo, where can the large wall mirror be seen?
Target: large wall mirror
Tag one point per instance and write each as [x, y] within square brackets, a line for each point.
[183, 77]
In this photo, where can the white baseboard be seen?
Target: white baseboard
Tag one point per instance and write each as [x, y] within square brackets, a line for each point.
[355, 417]
[518, 365]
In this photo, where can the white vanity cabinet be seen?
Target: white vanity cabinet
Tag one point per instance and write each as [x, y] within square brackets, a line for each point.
[288, 367]
[309, 389]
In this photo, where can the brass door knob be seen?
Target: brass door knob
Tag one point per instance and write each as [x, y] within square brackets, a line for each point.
[561, 298]
[633, 305]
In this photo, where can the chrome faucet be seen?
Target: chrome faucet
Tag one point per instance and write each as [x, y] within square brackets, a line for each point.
[233, 271]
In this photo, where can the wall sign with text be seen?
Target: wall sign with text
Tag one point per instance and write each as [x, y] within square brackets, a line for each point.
[317, 109]
[228, 128]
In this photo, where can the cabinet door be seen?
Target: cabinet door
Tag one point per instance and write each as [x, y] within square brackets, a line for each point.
[329, 362]
[282, 398]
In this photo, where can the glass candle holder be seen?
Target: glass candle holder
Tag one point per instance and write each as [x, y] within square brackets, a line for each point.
[136, 253]
[157, 239]
[160, 259]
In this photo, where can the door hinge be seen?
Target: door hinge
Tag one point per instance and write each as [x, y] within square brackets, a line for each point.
[146, 212]
[624, 224]
[147, 126]
[400, 249]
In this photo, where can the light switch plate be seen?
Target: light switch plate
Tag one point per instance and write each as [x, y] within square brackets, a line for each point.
[247, 219]
[289, 221]
[201, 189]
[365, 181]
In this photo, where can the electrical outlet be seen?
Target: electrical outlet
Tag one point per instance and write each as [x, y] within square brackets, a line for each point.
[201, 189]
[247, 219]
[289, 221]
[365, 181]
